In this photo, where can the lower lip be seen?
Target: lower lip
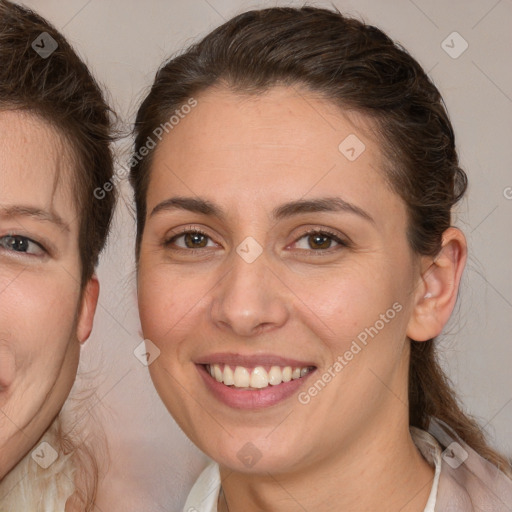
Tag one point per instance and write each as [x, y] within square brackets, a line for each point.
[251, 399]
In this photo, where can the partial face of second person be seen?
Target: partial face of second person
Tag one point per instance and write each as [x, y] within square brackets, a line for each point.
[250, 259]
[42, 316]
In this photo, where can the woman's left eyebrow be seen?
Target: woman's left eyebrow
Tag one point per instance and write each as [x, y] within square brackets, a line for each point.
[301, 206]
[37, 213]
[322, 204]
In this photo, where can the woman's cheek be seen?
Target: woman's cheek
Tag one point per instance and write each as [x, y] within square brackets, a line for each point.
[342, 303]
[165, 300]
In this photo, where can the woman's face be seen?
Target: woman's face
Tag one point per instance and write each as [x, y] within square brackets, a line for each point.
[41, 319]
[274, 250]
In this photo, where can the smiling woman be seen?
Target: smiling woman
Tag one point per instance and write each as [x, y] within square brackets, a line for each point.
[55, 148]
[296, 262]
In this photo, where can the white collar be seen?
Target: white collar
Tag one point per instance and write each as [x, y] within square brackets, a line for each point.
[431, 451]
[205, 493]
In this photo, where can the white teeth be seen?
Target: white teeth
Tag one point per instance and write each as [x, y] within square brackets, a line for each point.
[275, 376]
[258, 377]
[229, 378]
[217, 373]
[242, 377]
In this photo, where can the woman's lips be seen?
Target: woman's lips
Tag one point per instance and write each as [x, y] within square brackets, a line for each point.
[251, 361]
[248, 382]
[256, 378]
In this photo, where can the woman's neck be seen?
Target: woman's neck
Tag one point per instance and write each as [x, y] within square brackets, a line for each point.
[378, 472]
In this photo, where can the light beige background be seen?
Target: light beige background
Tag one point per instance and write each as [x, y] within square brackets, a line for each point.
[124, 41]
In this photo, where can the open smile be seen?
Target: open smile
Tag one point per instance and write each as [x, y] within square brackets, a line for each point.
[258, 377]
[253, 382]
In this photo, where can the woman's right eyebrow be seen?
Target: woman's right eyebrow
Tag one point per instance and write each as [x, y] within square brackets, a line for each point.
[191, 204]
[301, 206]
[13, 211]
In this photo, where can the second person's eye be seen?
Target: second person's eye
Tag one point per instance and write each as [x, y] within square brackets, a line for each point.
[21, 244]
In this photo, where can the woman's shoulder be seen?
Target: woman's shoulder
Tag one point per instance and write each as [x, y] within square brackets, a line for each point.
[468, 482]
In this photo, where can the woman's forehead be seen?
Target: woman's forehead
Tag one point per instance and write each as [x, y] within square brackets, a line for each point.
[36, 163]
[279, 145]
[283, 125]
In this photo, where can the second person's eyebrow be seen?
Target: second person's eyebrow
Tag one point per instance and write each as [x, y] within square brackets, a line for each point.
[301, 206]
[36, 213]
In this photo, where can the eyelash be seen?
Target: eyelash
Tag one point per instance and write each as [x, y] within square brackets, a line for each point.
[24, 238]
[323, 232]
[326, 233]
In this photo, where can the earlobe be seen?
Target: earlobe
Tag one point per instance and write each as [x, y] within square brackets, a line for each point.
[437, 291]
[88, 309]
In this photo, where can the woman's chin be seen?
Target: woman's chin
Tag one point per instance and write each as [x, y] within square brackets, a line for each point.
[257, 456]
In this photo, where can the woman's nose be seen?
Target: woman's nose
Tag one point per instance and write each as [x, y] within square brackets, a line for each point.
[250, 299]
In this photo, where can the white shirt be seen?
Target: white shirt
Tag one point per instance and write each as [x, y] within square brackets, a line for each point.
[205, 493]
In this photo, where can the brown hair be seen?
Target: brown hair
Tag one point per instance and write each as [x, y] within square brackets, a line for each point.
[60, 89]
[357, 67]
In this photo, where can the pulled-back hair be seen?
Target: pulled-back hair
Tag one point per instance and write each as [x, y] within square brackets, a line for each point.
[358, 68]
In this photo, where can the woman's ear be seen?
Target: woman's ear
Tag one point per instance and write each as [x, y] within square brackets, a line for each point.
[436, 293]
[87, 309]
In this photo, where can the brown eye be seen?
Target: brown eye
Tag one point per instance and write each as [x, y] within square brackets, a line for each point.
[318, 241]
[190, 240]
[195, 240]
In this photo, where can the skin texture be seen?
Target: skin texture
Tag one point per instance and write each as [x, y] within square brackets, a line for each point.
[248, 156]
[44, 314]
